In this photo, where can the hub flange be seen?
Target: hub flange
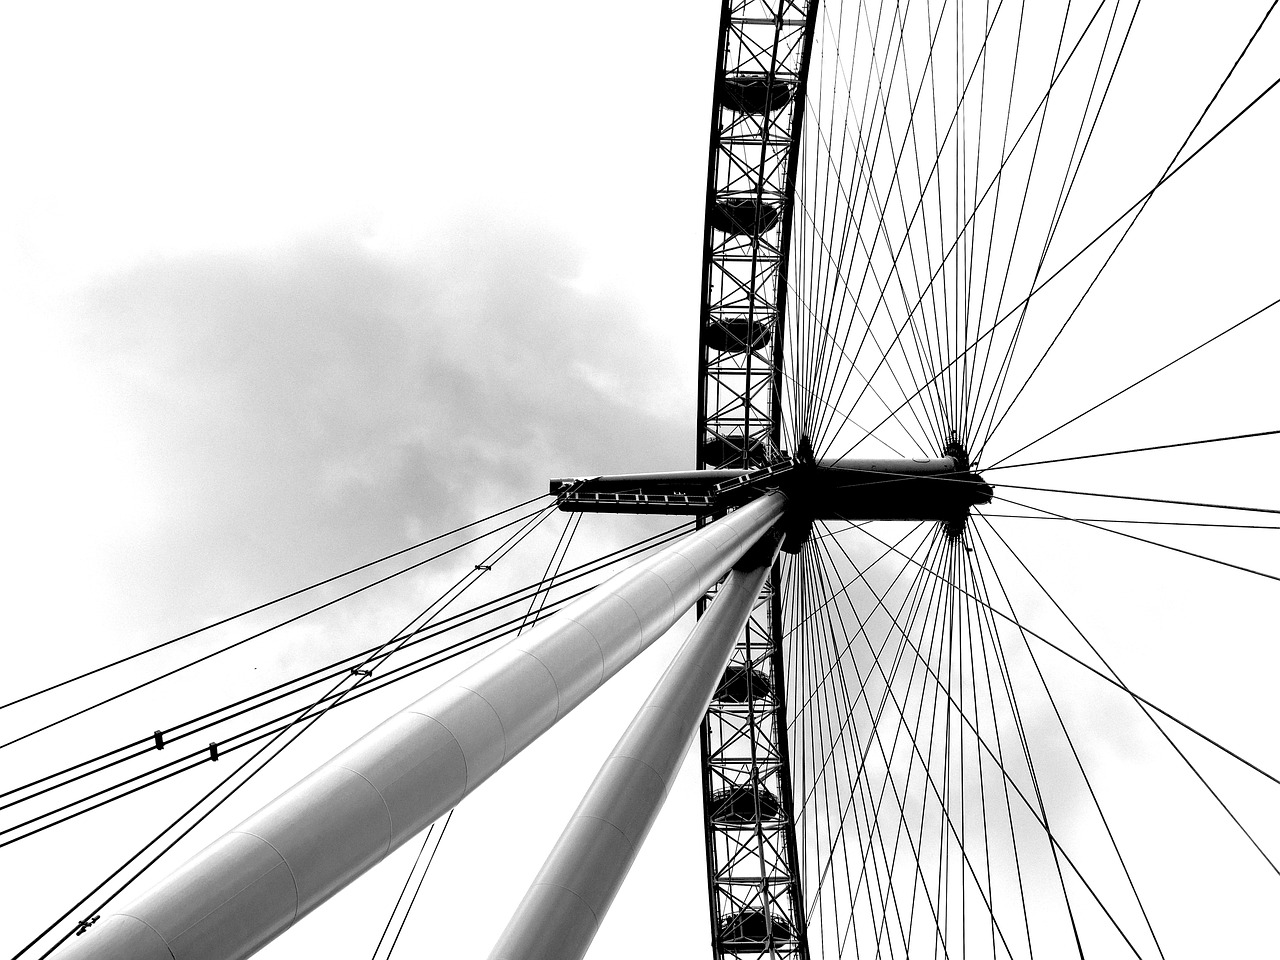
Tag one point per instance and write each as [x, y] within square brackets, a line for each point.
[942, 488]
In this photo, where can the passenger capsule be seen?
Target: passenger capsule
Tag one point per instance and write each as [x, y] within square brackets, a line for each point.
[744, 215]
[749, 929]
[743, 684]
[742, 805]
[733, 451]
[737, 335]
[755, 93]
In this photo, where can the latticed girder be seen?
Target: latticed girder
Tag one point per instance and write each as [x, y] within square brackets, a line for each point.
[761, 67]
[759, 100]
[756, 903]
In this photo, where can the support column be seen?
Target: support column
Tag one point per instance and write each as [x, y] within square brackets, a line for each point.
[564, 907]
[256, 881]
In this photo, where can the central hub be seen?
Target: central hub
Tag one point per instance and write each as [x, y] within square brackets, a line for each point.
[925, 488]
[942, 489]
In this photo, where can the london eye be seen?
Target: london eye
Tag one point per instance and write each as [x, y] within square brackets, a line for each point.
[975, 517]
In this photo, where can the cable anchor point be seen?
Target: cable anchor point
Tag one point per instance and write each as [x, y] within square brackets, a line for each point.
[84, 925]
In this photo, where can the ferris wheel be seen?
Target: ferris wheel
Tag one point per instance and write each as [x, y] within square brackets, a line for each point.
[944, 515]
[848, 200]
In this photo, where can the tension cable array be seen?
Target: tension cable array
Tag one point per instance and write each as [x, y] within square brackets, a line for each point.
[359, 664]
[286, 728]
[262, 606]
[536, 607]
[305, 717]
[254, 636]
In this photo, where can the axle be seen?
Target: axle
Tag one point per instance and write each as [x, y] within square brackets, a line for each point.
[938, 488]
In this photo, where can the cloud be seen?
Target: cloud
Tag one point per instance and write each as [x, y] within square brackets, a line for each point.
[330, 400]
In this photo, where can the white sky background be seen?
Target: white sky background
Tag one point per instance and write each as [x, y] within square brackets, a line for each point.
[287, 286]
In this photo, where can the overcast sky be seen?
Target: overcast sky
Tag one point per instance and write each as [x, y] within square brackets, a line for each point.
[288, 286]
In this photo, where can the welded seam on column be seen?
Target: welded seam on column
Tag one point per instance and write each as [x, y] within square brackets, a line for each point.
[666, 788]
[609, 823]
[594, 639]
[391, 821]
[618, 649]
[640, 631]
[618, 595]
[466, 767]
[557, 886]
[693, 570]
[506, 747]
[554, 684]
[644, 763]
[561, 710]
[501, 726]
[297, 898]
[159, 935]
[645, 636]
[590, 626]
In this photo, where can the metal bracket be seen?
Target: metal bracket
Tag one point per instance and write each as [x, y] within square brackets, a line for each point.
[84, 925]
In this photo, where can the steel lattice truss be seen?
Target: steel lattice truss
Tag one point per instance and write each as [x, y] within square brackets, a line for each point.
[762, 63]
[756, 900]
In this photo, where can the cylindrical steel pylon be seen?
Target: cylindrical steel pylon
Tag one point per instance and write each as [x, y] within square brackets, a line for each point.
[564, 907]
[256, 881]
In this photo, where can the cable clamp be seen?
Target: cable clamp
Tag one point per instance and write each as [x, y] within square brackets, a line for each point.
[84, 925]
